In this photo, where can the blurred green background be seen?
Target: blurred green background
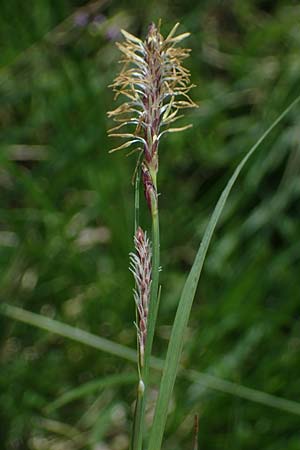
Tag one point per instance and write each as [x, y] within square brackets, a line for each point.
[67, 218]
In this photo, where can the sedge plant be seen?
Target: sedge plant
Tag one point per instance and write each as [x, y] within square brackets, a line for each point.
[155, 87]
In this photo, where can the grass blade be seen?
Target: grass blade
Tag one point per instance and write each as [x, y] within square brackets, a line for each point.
[187, 297]
[62, 329]
[90, 387]
[207, 380]
[238, 390]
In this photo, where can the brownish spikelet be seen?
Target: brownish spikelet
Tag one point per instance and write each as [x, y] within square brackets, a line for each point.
[140, 266]
[155, 85]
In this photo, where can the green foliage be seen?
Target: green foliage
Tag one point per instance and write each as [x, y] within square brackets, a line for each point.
[187, 298]
[67, 220]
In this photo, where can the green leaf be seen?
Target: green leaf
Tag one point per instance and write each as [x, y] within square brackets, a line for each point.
[62, 329]
[91, 387]
[185, 304]
[101, 344]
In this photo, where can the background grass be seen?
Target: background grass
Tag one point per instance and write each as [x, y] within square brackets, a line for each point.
[67, 218]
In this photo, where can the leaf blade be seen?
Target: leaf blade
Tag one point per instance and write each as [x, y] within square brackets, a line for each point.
[91, 387]
[209, 381]
[186, 300]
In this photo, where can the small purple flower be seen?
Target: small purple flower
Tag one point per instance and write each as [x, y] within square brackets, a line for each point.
[81, 19]
[112, 33]
[99, 19]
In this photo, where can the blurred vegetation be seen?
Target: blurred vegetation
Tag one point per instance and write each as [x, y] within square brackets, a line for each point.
[67, 218]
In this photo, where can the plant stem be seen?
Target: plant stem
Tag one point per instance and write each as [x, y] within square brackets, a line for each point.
[136, 426]
[139, 417]
[136, 442]
[137, 200]
[153, 307]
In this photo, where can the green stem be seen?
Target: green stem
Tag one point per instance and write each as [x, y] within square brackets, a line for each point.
[151, 322]
[153, 307]
[136, 426]
[137, 200]
[136, 442]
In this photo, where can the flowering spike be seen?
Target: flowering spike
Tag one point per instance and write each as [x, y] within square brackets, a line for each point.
[156, 87]
[140, 266]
